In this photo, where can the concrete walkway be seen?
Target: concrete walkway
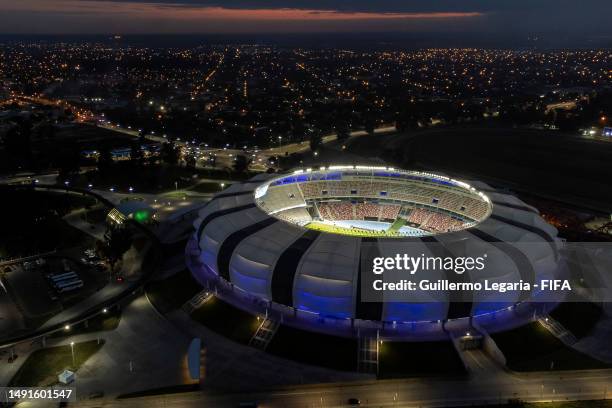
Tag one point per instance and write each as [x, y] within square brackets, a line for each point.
[144, 351]
[230, 366]
[597, 343]
[8, 370]
[75, 219]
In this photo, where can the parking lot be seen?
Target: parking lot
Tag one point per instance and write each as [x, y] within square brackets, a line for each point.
[42, 287]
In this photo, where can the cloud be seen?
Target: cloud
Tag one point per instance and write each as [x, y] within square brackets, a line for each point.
[392, 6]
[507, 17]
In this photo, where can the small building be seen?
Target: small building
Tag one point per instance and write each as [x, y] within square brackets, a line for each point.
[66, 377]
[136, 210]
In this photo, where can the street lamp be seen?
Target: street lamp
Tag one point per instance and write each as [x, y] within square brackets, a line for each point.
[72, 351]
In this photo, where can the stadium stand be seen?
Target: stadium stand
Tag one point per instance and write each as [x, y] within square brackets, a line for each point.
[441, 223]
[298, 215]
[280, 197]
[390, 212]
[367, 210]
[445, 198]
[336, 211]
[430, 203]
[418, 216]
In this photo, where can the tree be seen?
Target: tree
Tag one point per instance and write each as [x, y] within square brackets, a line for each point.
[46, 131]
[136, 155]
[343, 130]
[369, 125]
[241, 164]
[17, 144]
[118, 242]
[190, 162]
[142, 135]
[68, 163]
[169, 153]
[290, 161]
[298, 129]
[105, 161]
[315, 140]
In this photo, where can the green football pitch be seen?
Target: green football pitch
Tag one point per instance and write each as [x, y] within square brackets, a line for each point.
[355, 232]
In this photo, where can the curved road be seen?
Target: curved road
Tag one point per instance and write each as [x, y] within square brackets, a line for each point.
[557, 386]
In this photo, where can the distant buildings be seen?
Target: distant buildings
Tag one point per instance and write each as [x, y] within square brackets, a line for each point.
[252, 95]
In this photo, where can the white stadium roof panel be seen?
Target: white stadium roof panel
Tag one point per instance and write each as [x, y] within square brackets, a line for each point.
[310, 262]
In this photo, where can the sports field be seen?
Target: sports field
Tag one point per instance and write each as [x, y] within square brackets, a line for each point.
[354, 228]
[355, 232]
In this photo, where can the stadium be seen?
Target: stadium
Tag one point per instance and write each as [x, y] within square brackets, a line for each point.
[295, 247]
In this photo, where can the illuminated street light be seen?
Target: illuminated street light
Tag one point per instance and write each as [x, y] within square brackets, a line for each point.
[72, 351]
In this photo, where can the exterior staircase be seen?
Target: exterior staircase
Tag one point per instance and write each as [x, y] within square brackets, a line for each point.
[198, 300]
[367, 359]
[557, 330]
[264, 334]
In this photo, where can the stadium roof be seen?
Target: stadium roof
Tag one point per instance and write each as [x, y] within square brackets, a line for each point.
[320, 272]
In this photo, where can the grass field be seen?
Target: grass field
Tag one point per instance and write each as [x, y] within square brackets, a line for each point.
[353, 232]
[156, 178]
[42, 366]
[519, 158]
[533, 348]
[208, 187]
[101, 322]
[407, 359]
[32, 222]
[226, 320]
[313, 348]
[171, 293]
[578, 318]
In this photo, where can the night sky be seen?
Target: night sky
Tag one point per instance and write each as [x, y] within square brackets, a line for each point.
[496, 17]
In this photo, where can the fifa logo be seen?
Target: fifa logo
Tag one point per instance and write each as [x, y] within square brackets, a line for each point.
[555, 284]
